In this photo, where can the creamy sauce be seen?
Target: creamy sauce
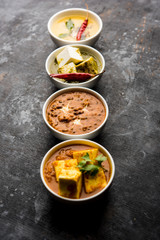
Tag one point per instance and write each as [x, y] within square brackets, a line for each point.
[59, 27]
[53, 68]
[64, 154]
[75, 113]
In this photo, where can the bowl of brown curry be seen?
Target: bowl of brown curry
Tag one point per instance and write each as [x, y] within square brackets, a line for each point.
[75, 112]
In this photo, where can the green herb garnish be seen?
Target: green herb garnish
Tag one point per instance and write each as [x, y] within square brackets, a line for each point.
[91, 169]
[63, 35]
[86, 158]
[70, 24]
[84, 162]
[101, 158]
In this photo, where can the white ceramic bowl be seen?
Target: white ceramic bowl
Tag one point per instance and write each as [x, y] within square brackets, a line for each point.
[73, 11]
[72, 142]
[89, 83]
[64, 136]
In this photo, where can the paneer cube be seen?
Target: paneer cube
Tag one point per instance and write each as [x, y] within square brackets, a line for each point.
[69, 54]
[79, 154]
[88, 66]
[95, 182]
[70, 183]
[68, 68]
[63, 164]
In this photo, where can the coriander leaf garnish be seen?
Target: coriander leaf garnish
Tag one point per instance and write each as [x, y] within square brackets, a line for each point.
[90, 168]
[81, 164]
[101, 158]
[69, 24]
[84, 161]
[86, 158]
[63, 35]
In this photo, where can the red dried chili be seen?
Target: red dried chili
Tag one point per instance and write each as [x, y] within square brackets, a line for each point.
[75, 76]
[83, 27]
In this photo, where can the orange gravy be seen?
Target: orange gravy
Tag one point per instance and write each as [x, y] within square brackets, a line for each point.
[64, 154]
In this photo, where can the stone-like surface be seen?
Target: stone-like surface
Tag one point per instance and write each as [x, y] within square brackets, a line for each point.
[130, 43]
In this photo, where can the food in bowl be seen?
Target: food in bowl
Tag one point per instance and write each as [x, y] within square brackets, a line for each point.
[82, 33]
[75, 112]
[77, 171]
[73, 65]
[69, 54]
[68, 27]
[65, 135]
[52, 66]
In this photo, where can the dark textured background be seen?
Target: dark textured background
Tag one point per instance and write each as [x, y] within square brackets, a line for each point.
[130, 43]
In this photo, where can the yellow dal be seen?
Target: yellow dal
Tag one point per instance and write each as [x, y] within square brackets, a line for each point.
[59, 27]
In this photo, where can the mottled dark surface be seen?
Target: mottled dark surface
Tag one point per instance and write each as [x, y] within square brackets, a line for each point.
[130, 43]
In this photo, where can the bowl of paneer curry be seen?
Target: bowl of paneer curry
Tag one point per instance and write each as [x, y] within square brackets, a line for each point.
[75, 112]
[75, 65]
[77, 170]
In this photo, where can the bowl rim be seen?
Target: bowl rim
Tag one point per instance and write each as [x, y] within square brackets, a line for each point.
[74, 45]
[61, 91]
[80, 199]
[99, 20]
